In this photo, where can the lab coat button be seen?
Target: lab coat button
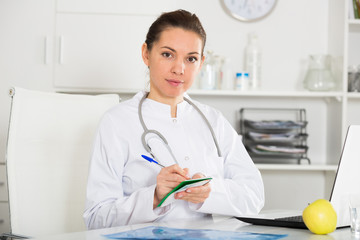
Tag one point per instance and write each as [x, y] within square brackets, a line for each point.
[174, 120]
[187, 158]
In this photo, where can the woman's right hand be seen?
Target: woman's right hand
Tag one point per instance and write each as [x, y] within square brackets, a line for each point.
[167, 179]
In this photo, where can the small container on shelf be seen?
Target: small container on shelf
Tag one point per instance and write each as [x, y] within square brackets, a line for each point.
[242, 81]
[354, 78]
[273, 141]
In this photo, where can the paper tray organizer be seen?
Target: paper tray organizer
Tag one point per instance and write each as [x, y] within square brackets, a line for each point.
[269, 140]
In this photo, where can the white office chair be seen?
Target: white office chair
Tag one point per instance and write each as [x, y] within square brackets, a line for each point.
[49, 147]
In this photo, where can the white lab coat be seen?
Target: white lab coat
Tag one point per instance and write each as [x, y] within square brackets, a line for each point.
[121, 183]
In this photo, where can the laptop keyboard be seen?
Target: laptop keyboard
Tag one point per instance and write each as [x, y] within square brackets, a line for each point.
[291, 219]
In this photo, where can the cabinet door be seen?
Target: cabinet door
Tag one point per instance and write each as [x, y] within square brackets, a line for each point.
[26, 43]
[100, 51]
[142, 7]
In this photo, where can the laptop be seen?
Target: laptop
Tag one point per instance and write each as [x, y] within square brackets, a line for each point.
[347, 181]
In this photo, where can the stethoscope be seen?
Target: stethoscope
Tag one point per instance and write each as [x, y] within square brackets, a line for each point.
[157, 133]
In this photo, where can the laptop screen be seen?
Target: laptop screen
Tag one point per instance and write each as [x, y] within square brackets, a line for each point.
[347, 178]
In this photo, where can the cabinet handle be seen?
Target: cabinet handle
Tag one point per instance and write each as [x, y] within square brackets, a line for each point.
[46, 50]
[61, 49]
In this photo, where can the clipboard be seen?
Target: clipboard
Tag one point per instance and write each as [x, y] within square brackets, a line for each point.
[169, 198]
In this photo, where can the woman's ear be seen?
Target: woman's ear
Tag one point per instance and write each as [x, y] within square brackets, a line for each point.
[145, 54]
[202, 62]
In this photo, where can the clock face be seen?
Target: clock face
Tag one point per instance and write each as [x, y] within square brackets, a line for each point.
[248, 10]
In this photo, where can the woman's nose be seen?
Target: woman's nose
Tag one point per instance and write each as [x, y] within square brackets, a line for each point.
[178, 67]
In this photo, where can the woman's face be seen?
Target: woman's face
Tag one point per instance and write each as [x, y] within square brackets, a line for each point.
[173, 62]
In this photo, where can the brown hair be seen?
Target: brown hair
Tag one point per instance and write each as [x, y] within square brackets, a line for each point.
[180, 19]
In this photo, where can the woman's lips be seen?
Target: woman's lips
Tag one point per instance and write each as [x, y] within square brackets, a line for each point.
[174, 82]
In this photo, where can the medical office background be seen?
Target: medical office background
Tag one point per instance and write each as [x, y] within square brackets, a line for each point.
[83, 46]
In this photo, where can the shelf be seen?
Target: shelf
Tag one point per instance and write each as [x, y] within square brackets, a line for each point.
[354, 21]
[222, 93]
[300, 94]
[297, 167]
[353, 95]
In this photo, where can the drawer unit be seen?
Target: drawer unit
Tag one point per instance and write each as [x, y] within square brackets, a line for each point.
[3, 184]
[4, 205]
[4, 218]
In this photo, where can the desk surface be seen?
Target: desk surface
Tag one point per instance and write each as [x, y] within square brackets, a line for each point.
[216, 223]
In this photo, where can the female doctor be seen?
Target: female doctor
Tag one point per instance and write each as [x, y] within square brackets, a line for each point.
[189, 139]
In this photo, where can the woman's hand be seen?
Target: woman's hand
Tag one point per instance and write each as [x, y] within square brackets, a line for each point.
[167, 179]
[195, 194]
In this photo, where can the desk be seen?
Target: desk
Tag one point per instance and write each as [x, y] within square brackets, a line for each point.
[217, 222]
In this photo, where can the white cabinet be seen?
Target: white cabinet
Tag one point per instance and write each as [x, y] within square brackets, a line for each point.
[98, 43]
[26, 47]
[123, 7]
[92, 51]
[26, 44]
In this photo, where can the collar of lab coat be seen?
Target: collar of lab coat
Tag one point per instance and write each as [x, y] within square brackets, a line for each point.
[161, 108]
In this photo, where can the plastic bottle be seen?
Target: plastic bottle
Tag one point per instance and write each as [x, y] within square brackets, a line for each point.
[238, 81]
[245, 81]
[227, 75]
[242, 81]
[253, 61]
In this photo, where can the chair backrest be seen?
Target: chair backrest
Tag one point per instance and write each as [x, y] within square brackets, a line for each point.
[49, 146]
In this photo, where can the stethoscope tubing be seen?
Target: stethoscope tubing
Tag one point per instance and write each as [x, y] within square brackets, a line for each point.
[147, 131]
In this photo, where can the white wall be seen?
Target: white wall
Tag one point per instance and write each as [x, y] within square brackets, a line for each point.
[287, 36]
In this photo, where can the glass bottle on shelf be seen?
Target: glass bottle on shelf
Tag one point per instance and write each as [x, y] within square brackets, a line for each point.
[208, 74]
[253, 61]
[227, 75]
[319, 76]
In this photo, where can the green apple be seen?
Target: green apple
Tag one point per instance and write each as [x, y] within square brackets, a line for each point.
[320, 217]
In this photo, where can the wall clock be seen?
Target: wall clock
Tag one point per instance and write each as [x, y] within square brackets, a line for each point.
[248, 10]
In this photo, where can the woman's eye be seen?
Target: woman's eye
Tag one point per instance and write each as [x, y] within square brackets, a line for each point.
[166, 54]
[192, 59]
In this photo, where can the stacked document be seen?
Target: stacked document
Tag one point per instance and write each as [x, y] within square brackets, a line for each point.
[280, 149]
[279, 137]
[272, 140]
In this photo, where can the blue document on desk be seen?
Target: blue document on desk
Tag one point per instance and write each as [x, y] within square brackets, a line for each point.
[153, 232]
